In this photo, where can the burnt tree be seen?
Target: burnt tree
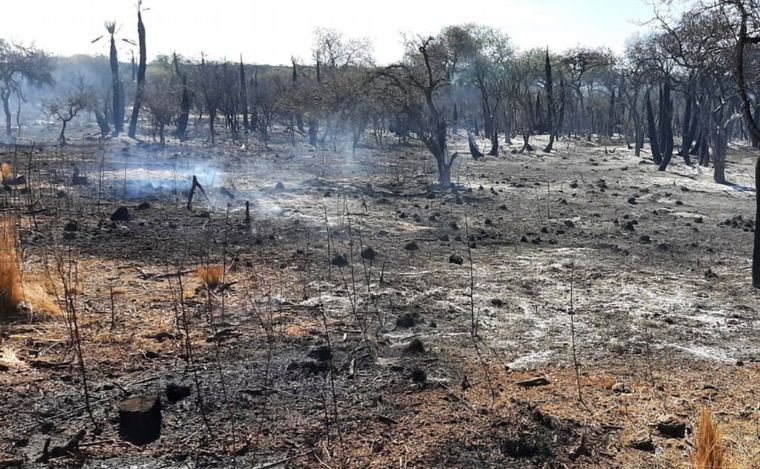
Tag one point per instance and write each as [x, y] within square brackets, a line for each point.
[549, 103]
[140, 74]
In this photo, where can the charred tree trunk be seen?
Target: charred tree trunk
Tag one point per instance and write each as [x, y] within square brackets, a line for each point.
[118, 100]
[526, 144]
[6, 95]
[611, 115]
[244, 95]
[211, 122]
[494, 143]
[474, 150]
[313, 132]
[102, 123]
[666, 125]
[62, 135]
[653, 144]
[689, 126]
[487, 119]
[562, 101]
[549, 103]
[184, 105]
[744, 40]
[140, 75]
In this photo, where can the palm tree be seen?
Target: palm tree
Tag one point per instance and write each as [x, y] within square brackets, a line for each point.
[117, 86]
[140, 73]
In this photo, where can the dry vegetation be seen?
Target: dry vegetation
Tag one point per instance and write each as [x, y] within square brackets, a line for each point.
[328, 340]
[709, 451]
[337, 264]
[10, 275]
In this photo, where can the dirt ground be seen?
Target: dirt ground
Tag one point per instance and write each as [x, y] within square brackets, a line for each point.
[341, 334]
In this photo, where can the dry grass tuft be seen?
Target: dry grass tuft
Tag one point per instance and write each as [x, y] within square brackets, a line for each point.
[5, 169]
[11, 292]
[709, 452]
[210, 275]
[13, 288]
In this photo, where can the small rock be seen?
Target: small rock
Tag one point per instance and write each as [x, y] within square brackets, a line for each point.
[279, 186]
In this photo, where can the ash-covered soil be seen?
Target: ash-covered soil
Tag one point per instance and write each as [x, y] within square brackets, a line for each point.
[368, 319]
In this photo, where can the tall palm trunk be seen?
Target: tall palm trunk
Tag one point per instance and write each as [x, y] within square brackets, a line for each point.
[140, 75]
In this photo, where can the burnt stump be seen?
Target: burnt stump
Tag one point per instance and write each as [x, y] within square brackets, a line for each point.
[140, 419]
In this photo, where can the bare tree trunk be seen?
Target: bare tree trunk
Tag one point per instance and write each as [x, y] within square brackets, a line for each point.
[689, 125]
[526, 143]
[549, 102]
[140, 75]
[118, 100]
[6, 95]
[666, 126]
[494, 143]
[474, 150]
[102, 123]
[184, 105]
[211, 121]
[244, 95]
[62, 135]
[654, 146]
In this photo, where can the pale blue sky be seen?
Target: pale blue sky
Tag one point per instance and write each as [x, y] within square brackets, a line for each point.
[273, 30]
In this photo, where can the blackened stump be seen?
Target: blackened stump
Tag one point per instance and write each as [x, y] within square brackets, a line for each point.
[140, 419]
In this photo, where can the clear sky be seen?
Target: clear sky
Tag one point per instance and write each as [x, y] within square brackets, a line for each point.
[271, 31]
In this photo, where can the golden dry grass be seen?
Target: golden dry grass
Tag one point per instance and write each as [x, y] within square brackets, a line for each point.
[11, 293]
[709, 452]
[210, 275]
[5, 169]
[13, 287]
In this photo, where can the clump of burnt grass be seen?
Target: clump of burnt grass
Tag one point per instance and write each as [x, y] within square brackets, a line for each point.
[11, 291]
[210, 275]
[709, 451]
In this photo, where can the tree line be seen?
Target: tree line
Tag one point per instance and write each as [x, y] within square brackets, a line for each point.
[685, 89]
